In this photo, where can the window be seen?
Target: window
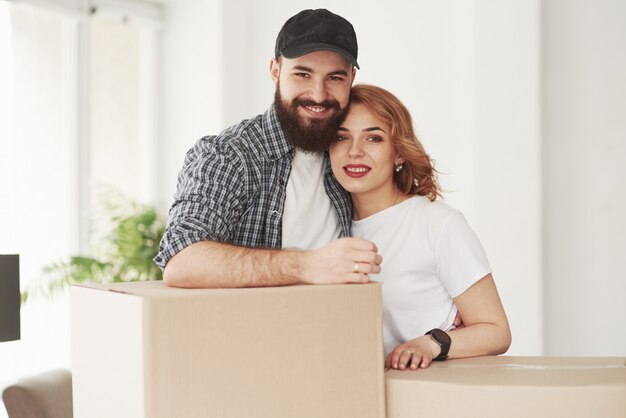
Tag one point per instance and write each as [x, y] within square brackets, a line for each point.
[77, 104]
[36, 176]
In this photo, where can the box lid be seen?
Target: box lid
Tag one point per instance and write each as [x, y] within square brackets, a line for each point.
[520, 371]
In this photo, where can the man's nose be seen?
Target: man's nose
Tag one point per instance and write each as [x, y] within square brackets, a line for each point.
[318, 91]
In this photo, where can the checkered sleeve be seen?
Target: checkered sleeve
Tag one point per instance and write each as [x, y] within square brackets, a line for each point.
[208, 200]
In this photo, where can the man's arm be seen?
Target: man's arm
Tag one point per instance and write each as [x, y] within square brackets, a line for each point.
[210, 264]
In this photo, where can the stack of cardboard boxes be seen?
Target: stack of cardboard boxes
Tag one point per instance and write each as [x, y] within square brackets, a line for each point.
[143, 350]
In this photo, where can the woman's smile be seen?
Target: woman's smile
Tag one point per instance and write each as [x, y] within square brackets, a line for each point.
[356, 170]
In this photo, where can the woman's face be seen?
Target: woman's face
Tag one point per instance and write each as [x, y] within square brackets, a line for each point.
[363, 156]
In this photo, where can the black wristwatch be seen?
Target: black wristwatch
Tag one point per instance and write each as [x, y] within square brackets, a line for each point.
[443, 339]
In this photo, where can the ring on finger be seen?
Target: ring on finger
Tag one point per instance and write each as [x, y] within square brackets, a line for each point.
[356, 267]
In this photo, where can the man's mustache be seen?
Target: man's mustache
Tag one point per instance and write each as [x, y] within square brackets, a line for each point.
[330, 104]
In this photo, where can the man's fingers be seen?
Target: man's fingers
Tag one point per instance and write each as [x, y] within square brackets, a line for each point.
[360, 244]
[366, 257]
[358, 278]
[366, 268]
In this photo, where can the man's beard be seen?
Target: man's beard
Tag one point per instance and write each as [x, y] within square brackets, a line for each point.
[312, 135]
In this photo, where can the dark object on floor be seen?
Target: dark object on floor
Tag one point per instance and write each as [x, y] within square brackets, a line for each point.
[9, 297]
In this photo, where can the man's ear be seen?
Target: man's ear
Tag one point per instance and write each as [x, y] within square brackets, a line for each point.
[353, 75]
[274, 70]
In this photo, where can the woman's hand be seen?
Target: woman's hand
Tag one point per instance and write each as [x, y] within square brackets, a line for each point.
[484, 331]
[413, 354]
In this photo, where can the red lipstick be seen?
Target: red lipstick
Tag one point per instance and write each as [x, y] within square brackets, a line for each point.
[356, 170]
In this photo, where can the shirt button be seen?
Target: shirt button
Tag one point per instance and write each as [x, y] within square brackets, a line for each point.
[274, 213]
[281, 182]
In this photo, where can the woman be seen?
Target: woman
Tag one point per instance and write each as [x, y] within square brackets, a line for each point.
[433, 263]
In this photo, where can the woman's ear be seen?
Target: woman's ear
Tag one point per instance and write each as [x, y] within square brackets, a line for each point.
[399, 160]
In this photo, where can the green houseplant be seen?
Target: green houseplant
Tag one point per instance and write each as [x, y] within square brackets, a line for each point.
[124, 253]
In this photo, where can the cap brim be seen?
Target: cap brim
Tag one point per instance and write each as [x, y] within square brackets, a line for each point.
[298, 51]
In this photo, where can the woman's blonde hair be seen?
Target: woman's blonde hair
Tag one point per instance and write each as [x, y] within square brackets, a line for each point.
[418, 175]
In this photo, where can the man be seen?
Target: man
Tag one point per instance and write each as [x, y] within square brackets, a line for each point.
[266, 184]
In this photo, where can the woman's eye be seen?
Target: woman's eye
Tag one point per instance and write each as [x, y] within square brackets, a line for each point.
[374, 139]
[340, 138]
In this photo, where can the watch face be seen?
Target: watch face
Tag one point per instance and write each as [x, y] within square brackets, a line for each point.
[441, 337]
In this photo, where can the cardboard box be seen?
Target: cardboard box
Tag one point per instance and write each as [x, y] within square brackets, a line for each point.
[511, 387]
[143, 350]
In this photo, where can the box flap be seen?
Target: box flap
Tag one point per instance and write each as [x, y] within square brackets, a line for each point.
[158, 289]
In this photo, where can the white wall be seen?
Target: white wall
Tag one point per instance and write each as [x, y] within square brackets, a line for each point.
[584, 200]
[507, 160]
[191, 84]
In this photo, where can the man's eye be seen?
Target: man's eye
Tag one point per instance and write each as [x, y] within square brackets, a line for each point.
[303, 75]
[335, 78]
[340, 138]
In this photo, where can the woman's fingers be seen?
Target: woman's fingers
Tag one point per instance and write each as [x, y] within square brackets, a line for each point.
[400, 358]
[412, 355]
[415, 362]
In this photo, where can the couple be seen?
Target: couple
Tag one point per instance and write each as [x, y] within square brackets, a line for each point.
[262, 205]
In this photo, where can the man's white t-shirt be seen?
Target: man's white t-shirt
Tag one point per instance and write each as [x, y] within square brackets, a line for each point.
[309, 219]
[430, 256]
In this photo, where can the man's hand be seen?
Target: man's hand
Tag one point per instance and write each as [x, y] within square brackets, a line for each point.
[413, 354]
[345, 260]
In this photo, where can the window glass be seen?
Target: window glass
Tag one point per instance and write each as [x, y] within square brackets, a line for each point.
[39, 170]
[37, 178]
[114, 100]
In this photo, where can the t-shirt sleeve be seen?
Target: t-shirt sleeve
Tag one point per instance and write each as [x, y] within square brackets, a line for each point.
[460, 257]
[208, 200]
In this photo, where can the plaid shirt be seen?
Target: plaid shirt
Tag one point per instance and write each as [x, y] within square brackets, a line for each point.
[232, 189]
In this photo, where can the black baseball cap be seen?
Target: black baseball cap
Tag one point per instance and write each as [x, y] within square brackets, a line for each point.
[317, 30]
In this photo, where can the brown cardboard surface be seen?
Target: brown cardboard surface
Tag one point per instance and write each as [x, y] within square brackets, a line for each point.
[511, 387]
[146, 350]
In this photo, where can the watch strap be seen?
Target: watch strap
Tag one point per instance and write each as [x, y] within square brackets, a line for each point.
[443, 339]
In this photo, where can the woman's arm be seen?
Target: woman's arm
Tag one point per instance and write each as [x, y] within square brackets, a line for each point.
[486, 330]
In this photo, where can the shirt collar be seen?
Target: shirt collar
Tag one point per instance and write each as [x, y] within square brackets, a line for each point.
[276, 145]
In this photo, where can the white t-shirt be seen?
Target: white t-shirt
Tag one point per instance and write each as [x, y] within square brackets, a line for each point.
[430, 256]
[309, 219]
